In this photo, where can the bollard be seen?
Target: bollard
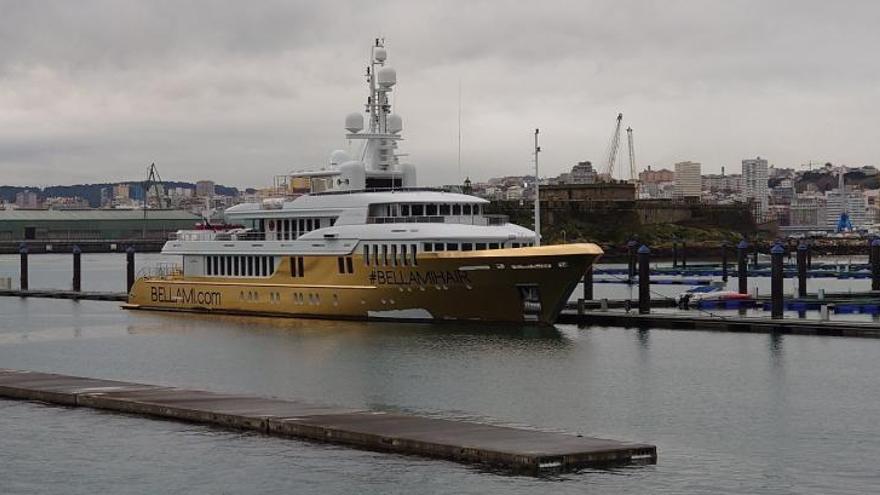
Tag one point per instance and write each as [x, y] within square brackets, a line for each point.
[675, 254]
[631, 268]
[603, 304]
[802, 270]
[644, 280]
[875, 267]
[724, 261]
[742, 270]
[823, 312]
[684, 255]
[77, 265]
[23, 251]
[129, 267]
[588, 283]
[809, 256]
[776, 286]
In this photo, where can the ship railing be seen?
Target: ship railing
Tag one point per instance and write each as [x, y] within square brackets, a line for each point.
[161, 270]
[220, 235]
[497, 219]
[419, 219]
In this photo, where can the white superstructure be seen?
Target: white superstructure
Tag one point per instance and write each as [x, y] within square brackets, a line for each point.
[367, 202]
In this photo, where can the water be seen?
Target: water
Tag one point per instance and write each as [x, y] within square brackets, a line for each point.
[730, 413]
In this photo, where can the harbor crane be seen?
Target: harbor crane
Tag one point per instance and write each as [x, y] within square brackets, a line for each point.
[153, 182]
[614, 147]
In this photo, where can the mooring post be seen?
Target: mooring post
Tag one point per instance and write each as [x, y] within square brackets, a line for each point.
[776, 287]
[644, 280]
[23, 251]
[724, 261]
[875, 266]
[684, 255]
[588, 283]
[675, 253]
[631, 268]
[755, 256]
[802, 269]
[809, 255]
[129, 267]
[741, 268]
[77, 265]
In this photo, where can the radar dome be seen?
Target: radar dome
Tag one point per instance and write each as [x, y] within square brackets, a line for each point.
[394, 123]
[380, 54]
[386, 77]
[339, 157]
[354, 122]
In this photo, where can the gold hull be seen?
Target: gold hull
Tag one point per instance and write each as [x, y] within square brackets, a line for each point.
[521, 285]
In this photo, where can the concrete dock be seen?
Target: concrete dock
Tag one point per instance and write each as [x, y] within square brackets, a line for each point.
[692, 321]
[513, 449]
[65, 294]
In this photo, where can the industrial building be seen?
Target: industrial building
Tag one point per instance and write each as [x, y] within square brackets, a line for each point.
[92, 224]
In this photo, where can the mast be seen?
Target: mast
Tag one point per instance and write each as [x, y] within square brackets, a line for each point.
[537, 194]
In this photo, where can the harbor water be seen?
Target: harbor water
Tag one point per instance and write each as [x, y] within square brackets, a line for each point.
[730, 413]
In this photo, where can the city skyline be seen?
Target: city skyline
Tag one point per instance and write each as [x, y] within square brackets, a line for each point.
[242, 93]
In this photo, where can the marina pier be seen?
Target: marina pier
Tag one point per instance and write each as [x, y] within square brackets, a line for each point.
[515, 449]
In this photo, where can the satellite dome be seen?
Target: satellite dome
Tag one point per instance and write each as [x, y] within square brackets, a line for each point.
[354, 122]
[380, 54]
[394, 124]
[386, 77]
[338, 157]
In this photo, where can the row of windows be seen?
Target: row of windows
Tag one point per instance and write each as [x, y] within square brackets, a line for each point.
[469, 246]
[291, 228]
[419, 210]
[297, 267]
[240, 266]
[391, 254]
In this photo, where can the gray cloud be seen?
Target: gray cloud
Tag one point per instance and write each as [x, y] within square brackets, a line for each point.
[240, 91]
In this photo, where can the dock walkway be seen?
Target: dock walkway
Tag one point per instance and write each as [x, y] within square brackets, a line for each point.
[65, 294]
[514, 449]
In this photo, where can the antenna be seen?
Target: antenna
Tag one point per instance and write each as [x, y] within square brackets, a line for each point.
[537, 194]
[459, 130]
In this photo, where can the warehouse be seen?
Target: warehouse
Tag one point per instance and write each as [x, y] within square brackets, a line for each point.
[92, 224]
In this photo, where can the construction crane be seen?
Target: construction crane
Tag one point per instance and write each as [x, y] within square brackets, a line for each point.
[153, 182]
[612, 149]
[632, 156]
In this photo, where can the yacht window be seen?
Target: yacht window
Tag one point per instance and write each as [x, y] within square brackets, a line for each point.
[385, 254]
[418, 210]
[456, 209]
[515, 244]
[439, 246]
[392, 210]
[302, 226]
[403, 255]
[444, 209]
[413, 251]
[451, 246]
[340, 264]
[427, 246]
[208, 266]
[493, 245]
[394, 254]
[375, 254]
[349, 265]
[333, 221]
[308, 225]
[466, 210]
[249, 270]
[467, 246]
[229, 265]
[263, 266]
[478, 209]
[300, 266]
[366, 254]
[431, 210]
[404, 210]
[271, 265]
[481, 246]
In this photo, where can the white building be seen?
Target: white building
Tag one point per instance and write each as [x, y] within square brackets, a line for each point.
[754, 185]
[688, 180]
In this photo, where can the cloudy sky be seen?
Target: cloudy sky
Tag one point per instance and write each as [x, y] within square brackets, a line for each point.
[235, 91]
